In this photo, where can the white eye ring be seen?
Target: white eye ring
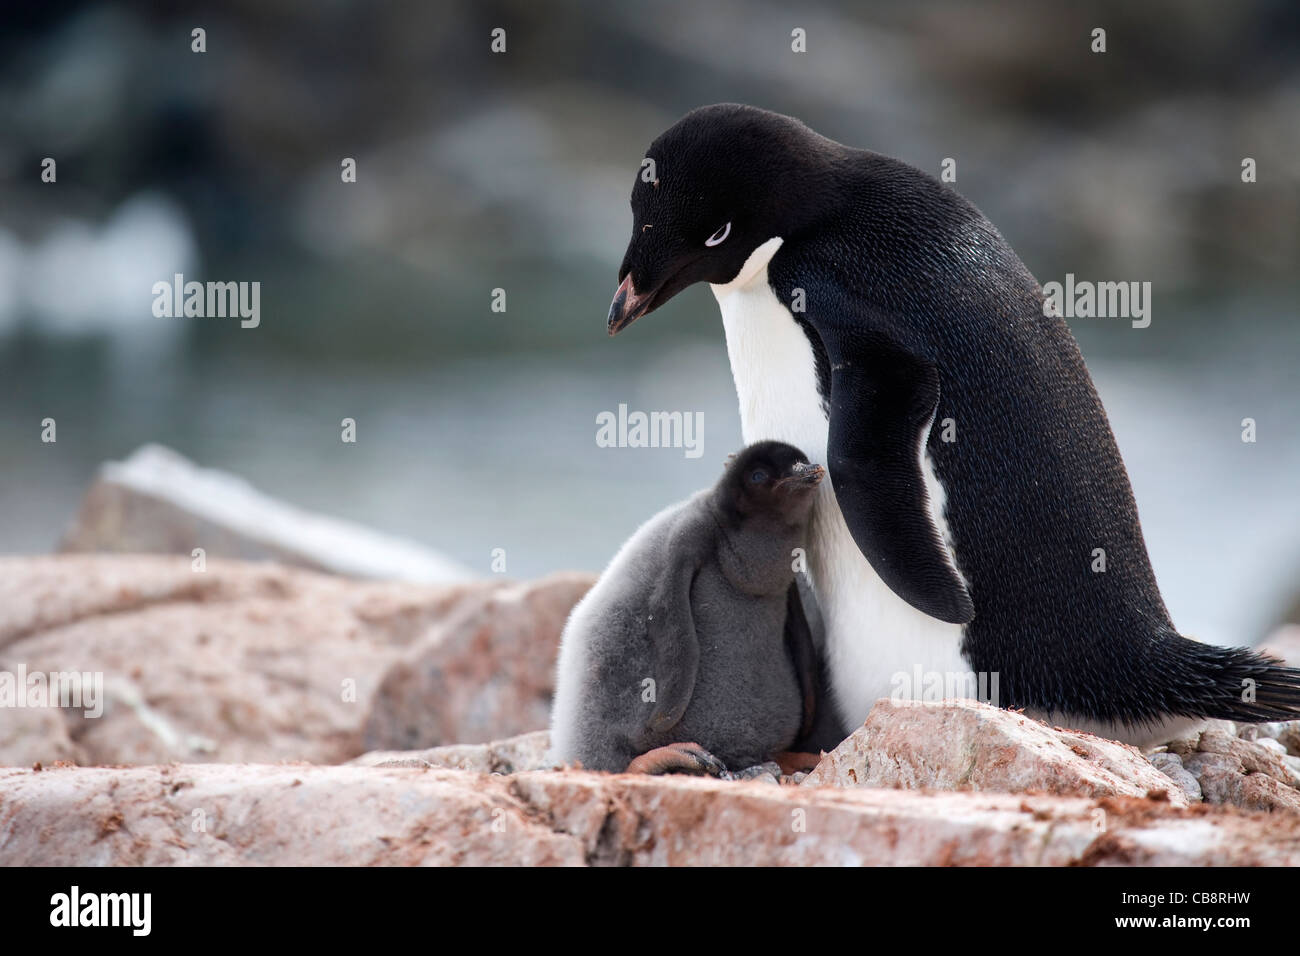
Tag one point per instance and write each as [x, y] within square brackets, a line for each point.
[719, 237]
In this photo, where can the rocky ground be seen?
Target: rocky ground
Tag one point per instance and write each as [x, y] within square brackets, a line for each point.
[304, 814]
[255, 713]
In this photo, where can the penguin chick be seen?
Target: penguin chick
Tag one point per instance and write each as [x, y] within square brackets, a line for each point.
[692, 653]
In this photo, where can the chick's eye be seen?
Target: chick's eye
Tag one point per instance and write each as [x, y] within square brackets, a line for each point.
[758, 476]
[717, 238]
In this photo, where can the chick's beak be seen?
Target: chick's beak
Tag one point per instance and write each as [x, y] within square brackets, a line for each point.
[808, 474]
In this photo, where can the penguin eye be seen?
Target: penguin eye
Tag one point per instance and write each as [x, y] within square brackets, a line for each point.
[758, 476]
[717, 238]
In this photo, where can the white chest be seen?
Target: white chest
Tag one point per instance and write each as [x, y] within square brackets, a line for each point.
[875, 641]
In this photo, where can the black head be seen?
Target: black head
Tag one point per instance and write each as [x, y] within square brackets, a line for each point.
[769, 478]
[712, 189]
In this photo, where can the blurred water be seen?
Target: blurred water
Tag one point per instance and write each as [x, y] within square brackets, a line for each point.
[499, 451]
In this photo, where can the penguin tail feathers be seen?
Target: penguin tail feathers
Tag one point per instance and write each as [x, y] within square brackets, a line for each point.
[1231, 683]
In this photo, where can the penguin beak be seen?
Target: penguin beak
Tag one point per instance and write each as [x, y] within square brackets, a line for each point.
[805, 473]
[628, 306]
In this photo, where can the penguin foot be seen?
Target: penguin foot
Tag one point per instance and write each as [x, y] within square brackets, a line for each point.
[678, 758]
[792, 762]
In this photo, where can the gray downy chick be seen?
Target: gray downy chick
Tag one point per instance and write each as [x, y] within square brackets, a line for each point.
[692, 653]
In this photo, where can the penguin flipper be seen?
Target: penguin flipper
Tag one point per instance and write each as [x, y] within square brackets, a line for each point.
[882, 400]
[799, 645]
[821, 728]
[670, 626]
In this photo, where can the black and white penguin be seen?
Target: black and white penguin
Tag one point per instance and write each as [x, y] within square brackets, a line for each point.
[863, 302]
[692, 653]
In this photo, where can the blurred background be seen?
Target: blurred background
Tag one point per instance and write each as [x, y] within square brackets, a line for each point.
[476, 429]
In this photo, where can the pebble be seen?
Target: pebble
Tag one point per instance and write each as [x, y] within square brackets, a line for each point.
[1289, 737]
[1217, 775]
[1269, 730]
[1270, 743]
[1216, 742]
[1171, 765]
[764, 773]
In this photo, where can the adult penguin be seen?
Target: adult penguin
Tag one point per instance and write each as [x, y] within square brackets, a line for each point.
[865, 304]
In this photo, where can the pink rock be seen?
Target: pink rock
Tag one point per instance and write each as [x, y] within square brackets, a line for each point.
[1224, 780]
[213, 814]
[1250, 756]
[219, 815]
[966, 745]
[513, 755]
[258, 662]
[484, 672]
